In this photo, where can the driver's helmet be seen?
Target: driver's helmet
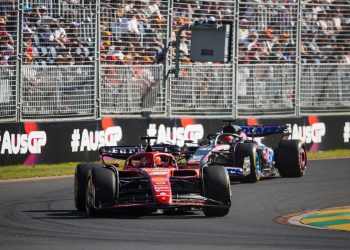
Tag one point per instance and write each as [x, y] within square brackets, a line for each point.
[157, 161]
[226, 139]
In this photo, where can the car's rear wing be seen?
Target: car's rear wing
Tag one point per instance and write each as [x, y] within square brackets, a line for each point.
[123, 152]
[120, 152]
[260, 131]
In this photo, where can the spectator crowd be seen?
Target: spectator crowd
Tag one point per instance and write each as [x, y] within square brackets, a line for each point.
[268, 31]
[135, 31]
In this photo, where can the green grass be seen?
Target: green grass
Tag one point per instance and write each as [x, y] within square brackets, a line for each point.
[41, 170]
[337, 153]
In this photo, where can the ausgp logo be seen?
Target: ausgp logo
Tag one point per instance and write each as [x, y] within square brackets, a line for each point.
[23, 143]
[310, 134]
[92, 140]
[175, 135]
[346, 134]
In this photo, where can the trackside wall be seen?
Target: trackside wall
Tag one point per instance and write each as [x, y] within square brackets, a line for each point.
[32, 143]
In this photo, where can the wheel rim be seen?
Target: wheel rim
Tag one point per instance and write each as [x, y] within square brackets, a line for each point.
[257, 166]
[302, 156]
[90, 195]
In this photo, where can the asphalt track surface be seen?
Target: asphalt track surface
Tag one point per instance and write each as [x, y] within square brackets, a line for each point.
[41, 215]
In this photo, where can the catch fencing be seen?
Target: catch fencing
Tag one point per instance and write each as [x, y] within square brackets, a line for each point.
[325, 88]
[132, 89]
[84, 59]
[202, 90]
[266, 90]
[57, 91]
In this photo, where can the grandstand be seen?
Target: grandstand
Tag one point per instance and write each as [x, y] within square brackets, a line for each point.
[84, 59]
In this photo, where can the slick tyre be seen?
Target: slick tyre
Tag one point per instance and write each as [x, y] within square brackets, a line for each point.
[100, 190]
[80, 181]
[291, 158]
[216, 187]
[249, 150]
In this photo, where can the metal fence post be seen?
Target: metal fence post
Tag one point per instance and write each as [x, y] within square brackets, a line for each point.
[19, 60]
[298, 62]
[235, 60]
[167, 60]
[97, 69]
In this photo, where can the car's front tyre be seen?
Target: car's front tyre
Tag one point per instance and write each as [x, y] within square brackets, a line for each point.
[80, 182]
[216, 187]
[101, 190]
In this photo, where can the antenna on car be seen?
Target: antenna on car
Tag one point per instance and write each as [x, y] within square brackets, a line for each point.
[148, 142]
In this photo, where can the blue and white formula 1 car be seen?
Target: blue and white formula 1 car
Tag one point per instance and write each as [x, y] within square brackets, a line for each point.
[238, 149]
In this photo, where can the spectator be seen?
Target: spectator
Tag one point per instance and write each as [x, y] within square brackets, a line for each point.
[346, 57]
[61, 34]
[337, 20]
[73, 32]
[153, 9]
[42, 14]
[133, 25]
[268, 39]
[6, 49]
[243, 32]
[28, 50]
[146, 28]
[184, 52]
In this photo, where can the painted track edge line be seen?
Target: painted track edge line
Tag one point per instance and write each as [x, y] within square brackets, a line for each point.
[295, 218]
[43, 178]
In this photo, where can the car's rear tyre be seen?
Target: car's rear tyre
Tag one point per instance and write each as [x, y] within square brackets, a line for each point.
[101, 190]
[80, 181]
[216, 187]
[291, 158]
[249, 150]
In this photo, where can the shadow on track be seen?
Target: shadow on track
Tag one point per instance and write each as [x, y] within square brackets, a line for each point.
[77, 215]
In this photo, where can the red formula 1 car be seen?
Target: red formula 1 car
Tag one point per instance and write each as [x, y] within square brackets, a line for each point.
[150, 180]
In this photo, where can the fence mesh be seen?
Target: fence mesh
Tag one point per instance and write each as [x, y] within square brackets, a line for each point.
[61, 91]
[8, 59]
[325, 88]
[202, 90]
[132, 89]
[267, 32]
[59, 32]
[266, 89]
[133, 31]
[325, 32]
